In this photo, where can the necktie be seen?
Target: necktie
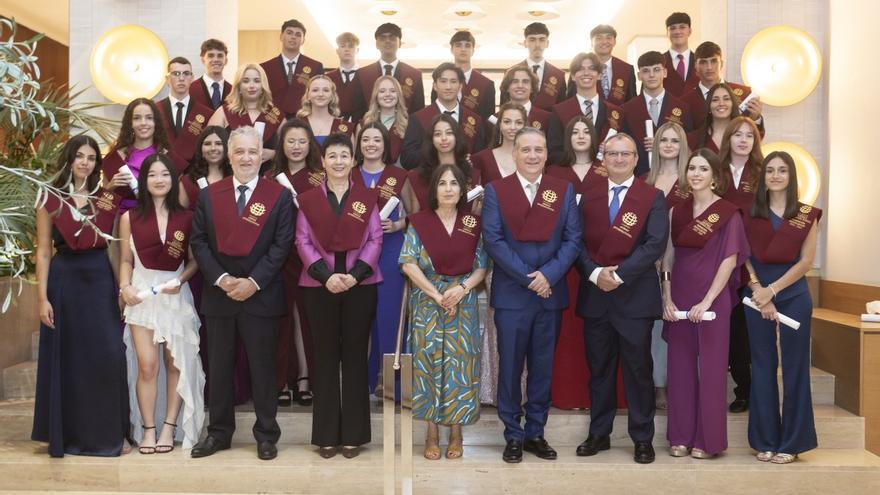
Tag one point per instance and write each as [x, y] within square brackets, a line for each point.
[178, 118]
[680, 67]
[535, 68]
[215, 95]
[242, 189]
[290, 71]
[347, 75]
[588, 110]
[531, 191]
[606, 83]
[654, 110]
[388, 68]
[451, 113]
[614, 207]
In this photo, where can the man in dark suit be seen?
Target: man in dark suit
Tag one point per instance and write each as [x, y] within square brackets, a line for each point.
[448, 80]
[211, 90]
[242, 232]
[182, 116]
[551, 79]
[478, 91]
[532, 231]
[625, 228]
[679, 59]
[347, 45]
[290, 71]
[617, 84]
[388, 39]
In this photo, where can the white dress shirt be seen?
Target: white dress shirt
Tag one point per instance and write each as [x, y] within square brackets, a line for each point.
[540, 72]
[524, 182]
[610, 74]
[594, 276]
[174, 101]
[393, 65]
[659, 99]
[252, 184]
[456, 111]
[594, 102]
[737, 175]
[208, 82]
[686, 55]
[287, 61]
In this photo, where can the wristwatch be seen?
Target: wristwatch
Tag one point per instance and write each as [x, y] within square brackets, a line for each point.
[465, 287]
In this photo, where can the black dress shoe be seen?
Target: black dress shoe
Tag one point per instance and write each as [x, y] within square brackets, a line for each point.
[267, 450]
[592, 445]
[208, 446]
[350, 452]
[513, 451]
[739, 405]
[540, 448]
[644, 453]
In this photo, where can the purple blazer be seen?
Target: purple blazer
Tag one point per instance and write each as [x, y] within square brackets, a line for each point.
[310, 250]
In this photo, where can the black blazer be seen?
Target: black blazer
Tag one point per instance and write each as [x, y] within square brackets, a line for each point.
[263, 264]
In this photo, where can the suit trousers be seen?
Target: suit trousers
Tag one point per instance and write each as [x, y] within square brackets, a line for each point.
[739, 358]
[340, 325]
[525, 335]
[260, 337]
[607, 340]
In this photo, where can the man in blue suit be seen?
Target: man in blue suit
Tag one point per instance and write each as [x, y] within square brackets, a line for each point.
[626, 226]
[532, 230]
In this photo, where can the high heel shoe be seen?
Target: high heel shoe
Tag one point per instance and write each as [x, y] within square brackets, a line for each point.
[302, 397]
[164, 449]
[147, 450]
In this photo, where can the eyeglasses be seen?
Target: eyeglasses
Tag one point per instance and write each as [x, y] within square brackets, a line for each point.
[177, 73]
[621, 154]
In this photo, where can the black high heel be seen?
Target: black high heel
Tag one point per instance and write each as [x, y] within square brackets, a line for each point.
[303, 398]
[164, 449]
[147, 450]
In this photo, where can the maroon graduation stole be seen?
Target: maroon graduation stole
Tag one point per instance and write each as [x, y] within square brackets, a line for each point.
[611, 244]
[110, 166]
[153, 253]
[691, 232]
[450, 255]
[783, 245]
[341, 126]
[77, 235]
[191, 189]
[236, 234]
[305, 179]
[530, 223]
[676, 196]
[468, 122]
[271, 117]
[195, 121]
[744, 195]
[420, 187]
[390, 183]
[596, 174]
[343, 232]
[485, 162]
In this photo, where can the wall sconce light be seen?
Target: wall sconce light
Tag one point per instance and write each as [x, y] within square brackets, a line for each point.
[809, 181]
[782, 64]
[129, 62]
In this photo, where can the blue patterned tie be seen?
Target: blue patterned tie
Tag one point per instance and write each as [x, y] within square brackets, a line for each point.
[215, 95]
[242, 200]
[614, 207]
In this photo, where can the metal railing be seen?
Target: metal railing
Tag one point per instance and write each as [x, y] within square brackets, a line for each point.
[398, 479]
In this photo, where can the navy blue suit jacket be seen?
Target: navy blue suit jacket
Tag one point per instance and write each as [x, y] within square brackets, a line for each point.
[514, 260]
[639, 296]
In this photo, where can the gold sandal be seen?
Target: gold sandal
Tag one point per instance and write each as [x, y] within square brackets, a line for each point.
[432, 448]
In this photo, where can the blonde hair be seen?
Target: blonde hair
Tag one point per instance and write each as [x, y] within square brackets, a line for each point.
[306, 105]
[683, 154]
[236, 102]
[401, 118]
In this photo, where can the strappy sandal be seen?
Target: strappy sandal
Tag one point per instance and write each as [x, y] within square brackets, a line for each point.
[144, 449]
[164, 449]
[781, 458]
[285, 398]
[432, 448]
[455, 449]
[304, 397]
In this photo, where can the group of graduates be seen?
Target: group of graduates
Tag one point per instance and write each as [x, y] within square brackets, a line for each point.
[266, 229]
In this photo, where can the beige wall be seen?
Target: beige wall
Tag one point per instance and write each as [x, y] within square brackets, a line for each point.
[853, 243]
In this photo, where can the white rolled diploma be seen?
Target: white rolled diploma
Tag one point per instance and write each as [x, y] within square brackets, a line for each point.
[282, 179]
[745, 103]
[601, 154]
[261, 128]
[389, 207]
[649, 132]
[202, 182]
[707, 316]
[133, 182]
[869, 318]
[156, 289]
[577, 199]
[785, 320]
[474, 193]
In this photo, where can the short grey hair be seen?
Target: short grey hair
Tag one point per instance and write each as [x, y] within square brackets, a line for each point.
[622, 135]
[528, 130]
[246, 131]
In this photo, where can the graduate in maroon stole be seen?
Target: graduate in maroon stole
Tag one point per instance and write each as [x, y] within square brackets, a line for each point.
[80, 339]
[387, 107]
[700, 273]
[242, 232]
[211, 90]
[339, 239]
[184, 118]
[517, 86]
[679, 59]
[723, 108]
[155, 260]
[578, 163]
[586, 69]
[655, 106]
[442, 143]
[210, 164]
[477, 91]
[289, 73]
[669, 156]
[299, 160]
[250, 105]
[388, 39]
[625, 229]
[741, 159]
[782, 232]
[347, 45]
[448, 81]
[551, 79]
[320, 109]
[618, 82]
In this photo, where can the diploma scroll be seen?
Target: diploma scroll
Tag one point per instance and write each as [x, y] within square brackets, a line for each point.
[202, 182]
[474, 193]
[133, 182]
[389, 208]
[577, 198]
[601, 154]
[707, 316]
[261, 128]
[649, 132]
[282, 179]
[156, 289]
[785, 320]
[745, 103]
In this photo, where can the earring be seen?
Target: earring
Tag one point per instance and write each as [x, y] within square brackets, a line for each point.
[712, 185]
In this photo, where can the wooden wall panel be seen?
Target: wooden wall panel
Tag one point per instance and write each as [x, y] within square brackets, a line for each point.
[846, 297]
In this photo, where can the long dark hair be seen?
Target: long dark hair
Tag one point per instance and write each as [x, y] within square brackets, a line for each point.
[430, 156]
[718, 175]
[568, 156]
[68, 155]
[761, 205]
[198, 168]
[313, 158]
[435, 182]
[126, 134]
[707, 123]
[145, 201]
[497, 138]
[386, 143]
